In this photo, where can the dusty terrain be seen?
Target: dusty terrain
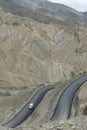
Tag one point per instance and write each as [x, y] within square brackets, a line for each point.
[40, 119]
[33, 54]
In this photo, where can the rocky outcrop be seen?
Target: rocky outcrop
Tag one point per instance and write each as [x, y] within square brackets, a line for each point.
[82, 98]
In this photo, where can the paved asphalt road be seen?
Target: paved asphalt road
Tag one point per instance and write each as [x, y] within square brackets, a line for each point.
[63, 107]
[28, 108]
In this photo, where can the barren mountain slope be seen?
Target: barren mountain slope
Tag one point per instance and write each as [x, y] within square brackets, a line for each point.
[44, 11]
[33, 54]
[36, 53]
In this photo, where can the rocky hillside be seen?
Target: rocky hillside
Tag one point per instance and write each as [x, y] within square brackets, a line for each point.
[36, 53]
[38, 46]
[44, 11]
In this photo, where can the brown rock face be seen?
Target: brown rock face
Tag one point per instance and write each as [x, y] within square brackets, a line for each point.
[35, 53]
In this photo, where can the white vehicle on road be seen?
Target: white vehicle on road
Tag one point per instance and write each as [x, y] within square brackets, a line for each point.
[31, 105]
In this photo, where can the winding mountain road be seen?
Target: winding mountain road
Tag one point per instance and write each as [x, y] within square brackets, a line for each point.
[63, 107]
[28, 108]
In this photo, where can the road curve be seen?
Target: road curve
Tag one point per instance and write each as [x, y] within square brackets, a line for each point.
[63, 107]
[26, 111]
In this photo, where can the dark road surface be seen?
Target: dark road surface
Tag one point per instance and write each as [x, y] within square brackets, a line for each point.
[28, 108]
[63, 107]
